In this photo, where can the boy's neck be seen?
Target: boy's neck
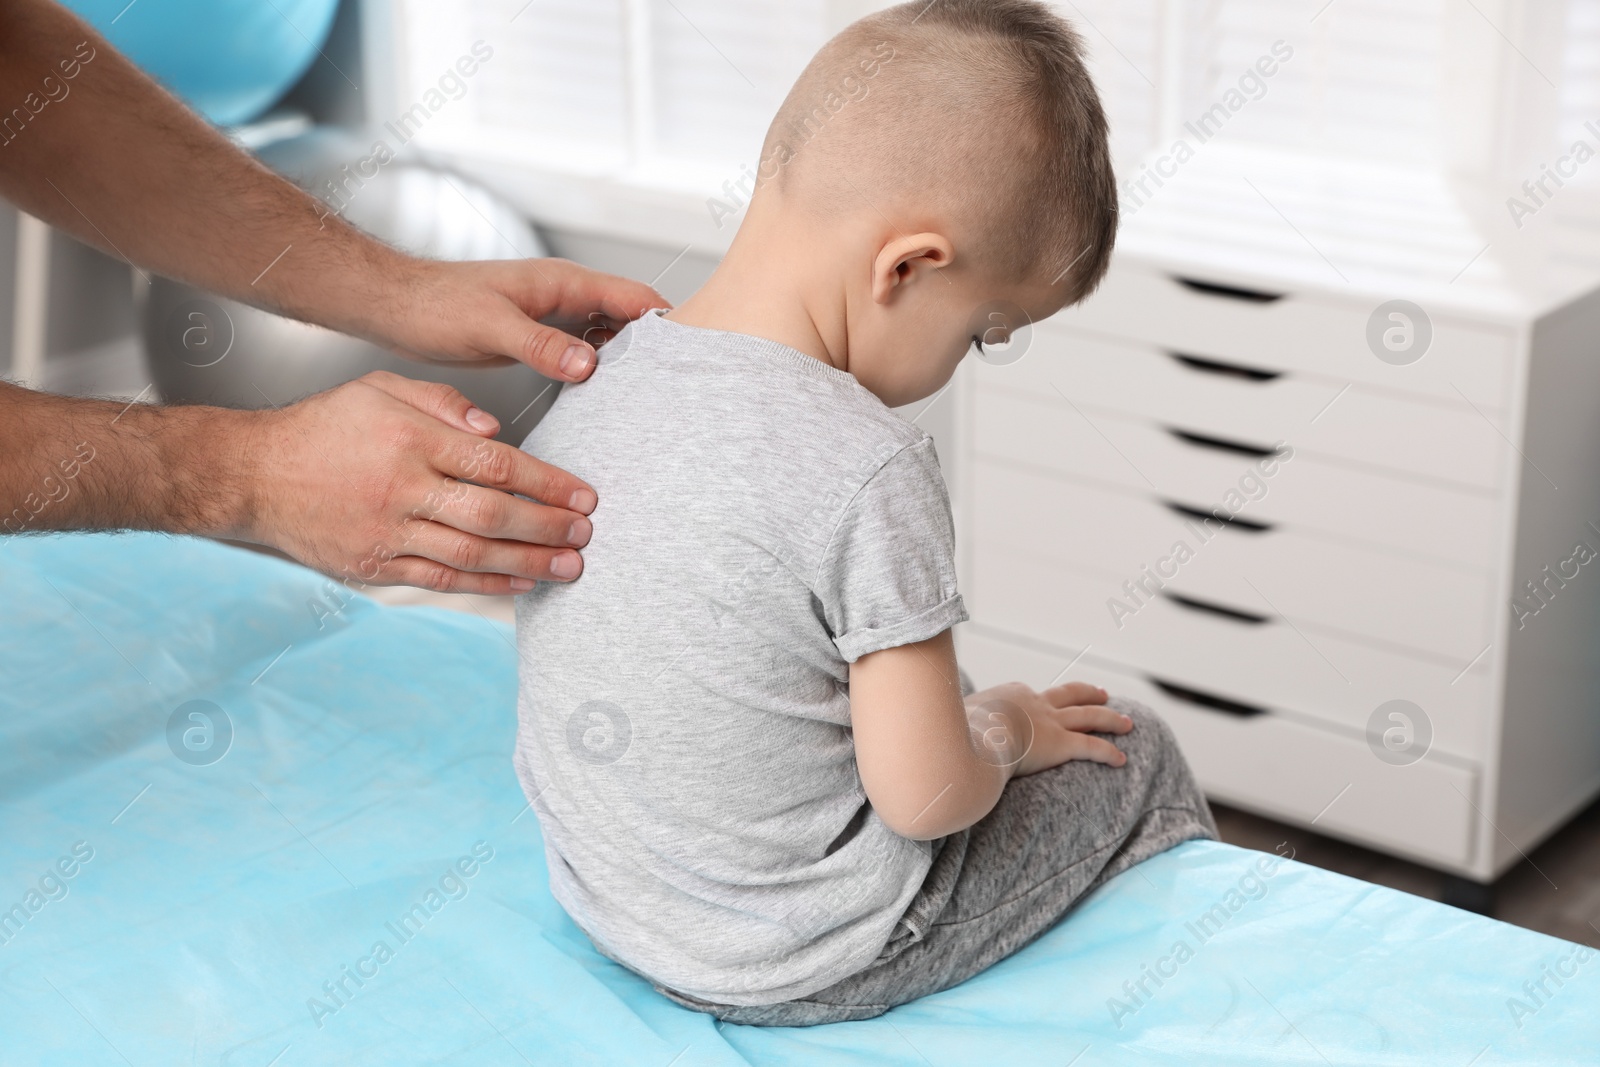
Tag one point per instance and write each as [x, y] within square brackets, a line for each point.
[769, 285]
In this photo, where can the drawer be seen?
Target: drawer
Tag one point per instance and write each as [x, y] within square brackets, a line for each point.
[1402, 514]
[1304, 672]
[1282, 768]
[1019, 518]
[1258, 405]
[1320, 334]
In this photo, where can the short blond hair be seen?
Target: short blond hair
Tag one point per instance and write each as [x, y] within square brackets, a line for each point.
[983, 105]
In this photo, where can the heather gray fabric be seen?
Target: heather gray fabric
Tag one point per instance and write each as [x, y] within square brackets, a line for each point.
[1002, 882]
[684, 734]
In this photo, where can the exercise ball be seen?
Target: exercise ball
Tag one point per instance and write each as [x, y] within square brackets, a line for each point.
[205, 349]
[228, 59]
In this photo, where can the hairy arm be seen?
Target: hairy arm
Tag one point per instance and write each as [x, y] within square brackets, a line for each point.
[90, 464]
[115, 160]
[933, 764]
[378, 469]
[119, 163]
[381, 481]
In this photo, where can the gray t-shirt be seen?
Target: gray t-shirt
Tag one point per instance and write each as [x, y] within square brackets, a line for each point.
[764, 521]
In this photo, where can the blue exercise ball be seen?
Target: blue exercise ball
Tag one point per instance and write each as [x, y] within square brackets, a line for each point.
[228, 59]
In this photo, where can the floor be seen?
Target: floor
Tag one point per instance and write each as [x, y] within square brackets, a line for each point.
[1555, 890]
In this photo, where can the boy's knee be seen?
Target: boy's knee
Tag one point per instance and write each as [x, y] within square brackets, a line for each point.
[1150, 733]
[1143, 715]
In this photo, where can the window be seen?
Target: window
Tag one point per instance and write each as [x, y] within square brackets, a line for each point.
[677, 93]
[1362, 80]
[720, 70]
[556, 86]
[675, 90]
[1578, 116]
[1124, 40]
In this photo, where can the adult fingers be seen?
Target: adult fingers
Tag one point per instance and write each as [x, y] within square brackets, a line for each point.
[552, 352]
[490, 513]
[441, 578]
[499, 466]
[582, 295]
[557, 312]
[437, 400]
[462, 551]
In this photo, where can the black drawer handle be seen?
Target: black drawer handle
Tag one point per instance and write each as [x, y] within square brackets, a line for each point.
[1232, 292]
[1202, 515]
[1221, 444]
[1195, 604]
[1210, 701]
[1230, 370]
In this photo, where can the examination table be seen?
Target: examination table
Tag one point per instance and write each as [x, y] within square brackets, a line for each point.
[249, 818]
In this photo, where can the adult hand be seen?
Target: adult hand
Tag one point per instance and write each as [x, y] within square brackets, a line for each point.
[369, 480]
[387, 481]
[548, 313]
[281, 249]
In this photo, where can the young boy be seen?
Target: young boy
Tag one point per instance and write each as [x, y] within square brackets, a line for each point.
[759, 783]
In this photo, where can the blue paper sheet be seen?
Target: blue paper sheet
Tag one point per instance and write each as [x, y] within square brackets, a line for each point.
[300, 893]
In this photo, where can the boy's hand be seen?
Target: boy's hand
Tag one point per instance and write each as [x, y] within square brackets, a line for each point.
[1032, 732]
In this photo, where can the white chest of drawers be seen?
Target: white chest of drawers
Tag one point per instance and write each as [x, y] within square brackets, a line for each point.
[1387, 518]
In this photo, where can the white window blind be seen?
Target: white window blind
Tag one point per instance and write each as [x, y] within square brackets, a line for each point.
[720, 70]
[652, 86]
[679, 92]
[1580, 83]
[555, 86]
[1124, 40]
[1363, 80]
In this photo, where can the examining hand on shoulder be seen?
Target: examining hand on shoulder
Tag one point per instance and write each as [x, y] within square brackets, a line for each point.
[547, 313]
[387, 481]
[380, 481]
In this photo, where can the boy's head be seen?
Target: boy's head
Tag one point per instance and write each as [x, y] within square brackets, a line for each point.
[940, 158]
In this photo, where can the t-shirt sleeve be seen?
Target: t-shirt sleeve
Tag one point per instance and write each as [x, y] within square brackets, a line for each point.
[888, 575]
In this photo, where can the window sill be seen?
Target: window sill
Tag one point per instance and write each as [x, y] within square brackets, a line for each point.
[661, 204]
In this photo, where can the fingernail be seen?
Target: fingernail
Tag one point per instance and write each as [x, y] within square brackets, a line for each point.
[522, 585]
[1127, 720]
[579, 532]
[583, 501]
[566, 565]
[481, 420]
[576, 360]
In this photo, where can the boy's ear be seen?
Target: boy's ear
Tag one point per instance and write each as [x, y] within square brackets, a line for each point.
[906, 259]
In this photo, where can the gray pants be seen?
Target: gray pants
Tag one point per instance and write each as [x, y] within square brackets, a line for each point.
[1002, 882]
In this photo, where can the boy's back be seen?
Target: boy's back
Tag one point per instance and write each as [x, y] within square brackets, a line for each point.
[760, 783]
[764, 520]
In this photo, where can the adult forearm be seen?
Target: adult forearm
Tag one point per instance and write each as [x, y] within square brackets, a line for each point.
[115, 160]
[382, 481]
[75, 464]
